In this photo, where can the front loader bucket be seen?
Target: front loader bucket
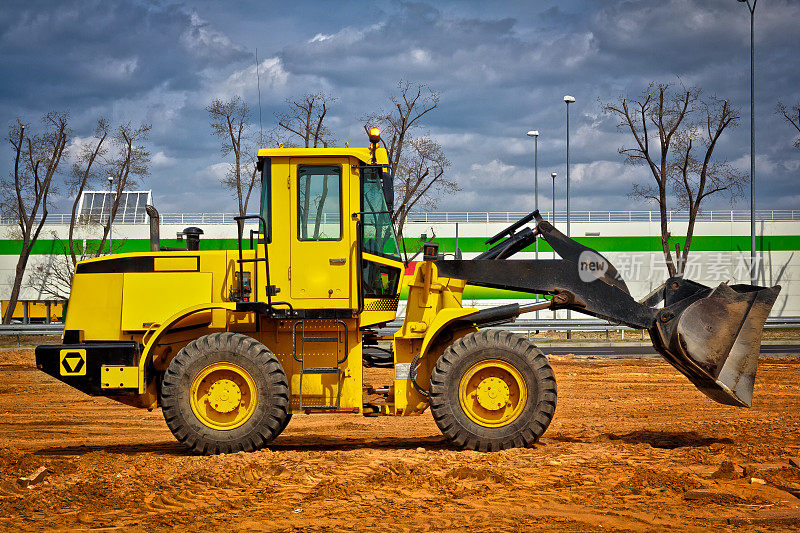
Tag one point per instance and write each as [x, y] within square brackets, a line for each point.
[714, 337]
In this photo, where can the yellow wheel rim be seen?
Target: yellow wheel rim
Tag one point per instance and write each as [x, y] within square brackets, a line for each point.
[492, 393]
[223, 396]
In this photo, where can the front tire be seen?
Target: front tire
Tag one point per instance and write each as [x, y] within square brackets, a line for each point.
[224, 393]
[492, 390]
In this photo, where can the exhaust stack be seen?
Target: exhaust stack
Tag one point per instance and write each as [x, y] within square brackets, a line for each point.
[155, 238]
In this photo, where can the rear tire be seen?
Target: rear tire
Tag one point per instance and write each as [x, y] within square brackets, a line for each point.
[225, 393]
[492, 390]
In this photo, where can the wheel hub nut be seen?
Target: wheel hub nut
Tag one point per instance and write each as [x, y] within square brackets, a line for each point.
[493, 394]
[224, 396]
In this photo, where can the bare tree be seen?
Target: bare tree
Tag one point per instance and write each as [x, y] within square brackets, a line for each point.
[420, 178]
[304, 122]
[675, 131]
[230, 121]
[129, 161]
[792, 116]
[53, 278]
[414, 101]
[84, 171]
[418, 163]
[26, 190]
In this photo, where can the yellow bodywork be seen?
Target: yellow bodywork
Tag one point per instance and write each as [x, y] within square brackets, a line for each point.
[161, 301]
[433, 304]
[119, 377]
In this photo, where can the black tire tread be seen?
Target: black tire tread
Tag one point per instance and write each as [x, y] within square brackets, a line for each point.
[443, 407]
[274, 419]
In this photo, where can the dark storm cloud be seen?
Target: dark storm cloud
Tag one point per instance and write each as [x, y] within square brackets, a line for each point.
[500, 72]
[77, 53]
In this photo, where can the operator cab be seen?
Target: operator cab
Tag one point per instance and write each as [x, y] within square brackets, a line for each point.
[327, 228]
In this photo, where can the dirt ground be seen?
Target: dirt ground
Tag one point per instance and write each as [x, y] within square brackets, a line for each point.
[633, 447]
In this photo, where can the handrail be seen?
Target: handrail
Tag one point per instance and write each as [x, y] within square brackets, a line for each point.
[240, 222]
[438, 217]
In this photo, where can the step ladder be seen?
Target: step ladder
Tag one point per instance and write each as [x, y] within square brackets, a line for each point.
[300, 356]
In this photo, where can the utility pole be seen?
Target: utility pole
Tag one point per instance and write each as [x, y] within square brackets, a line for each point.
[753, 262]
[568, 100]
[535, 135]
[553, 221]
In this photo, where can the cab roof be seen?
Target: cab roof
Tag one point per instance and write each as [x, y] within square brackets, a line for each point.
[362, 154]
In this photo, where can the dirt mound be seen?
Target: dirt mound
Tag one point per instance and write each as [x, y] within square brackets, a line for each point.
[332, 489]
[478, 474]
[649, 478]
[727, 470]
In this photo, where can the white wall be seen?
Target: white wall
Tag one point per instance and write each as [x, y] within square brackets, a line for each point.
[642, 271]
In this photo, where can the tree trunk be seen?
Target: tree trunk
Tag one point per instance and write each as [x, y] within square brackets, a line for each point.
[689, 234]
[401, 222]
[22, 264]
[665, 234]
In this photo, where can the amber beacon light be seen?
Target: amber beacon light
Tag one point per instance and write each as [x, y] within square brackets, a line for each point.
[374, 135]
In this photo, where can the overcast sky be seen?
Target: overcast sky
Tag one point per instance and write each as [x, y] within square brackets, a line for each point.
[502, 68]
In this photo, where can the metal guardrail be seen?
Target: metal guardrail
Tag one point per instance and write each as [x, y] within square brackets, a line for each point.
[31, 329]
[526, 325]
[552, 324]
[603, 216]
[560, 324]
[593, 324]
[438, 217]
[581, 324]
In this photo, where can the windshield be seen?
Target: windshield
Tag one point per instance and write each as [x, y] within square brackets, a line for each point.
[379, 235]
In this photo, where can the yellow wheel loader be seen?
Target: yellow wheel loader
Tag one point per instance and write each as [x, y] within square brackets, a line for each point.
[231, 344]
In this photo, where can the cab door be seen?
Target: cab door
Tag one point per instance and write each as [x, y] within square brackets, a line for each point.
[320, 232]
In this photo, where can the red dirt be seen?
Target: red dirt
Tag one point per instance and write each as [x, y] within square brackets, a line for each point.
[633, 447]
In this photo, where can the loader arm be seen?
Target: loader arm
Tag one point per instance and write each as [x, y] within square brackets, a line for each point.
[711, 335]
[556, 277]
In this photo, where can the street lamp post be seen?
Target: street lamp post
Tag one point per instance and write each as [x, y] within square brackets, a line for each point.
[535, 135]
[568, 100]
[753, 266]
[553, 175]
[553, 221]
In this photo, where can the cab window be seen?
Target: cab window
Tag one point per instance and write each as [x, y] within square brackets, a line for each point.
[266, 199]
[379, 237]
[380, 281]
[319, 202]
